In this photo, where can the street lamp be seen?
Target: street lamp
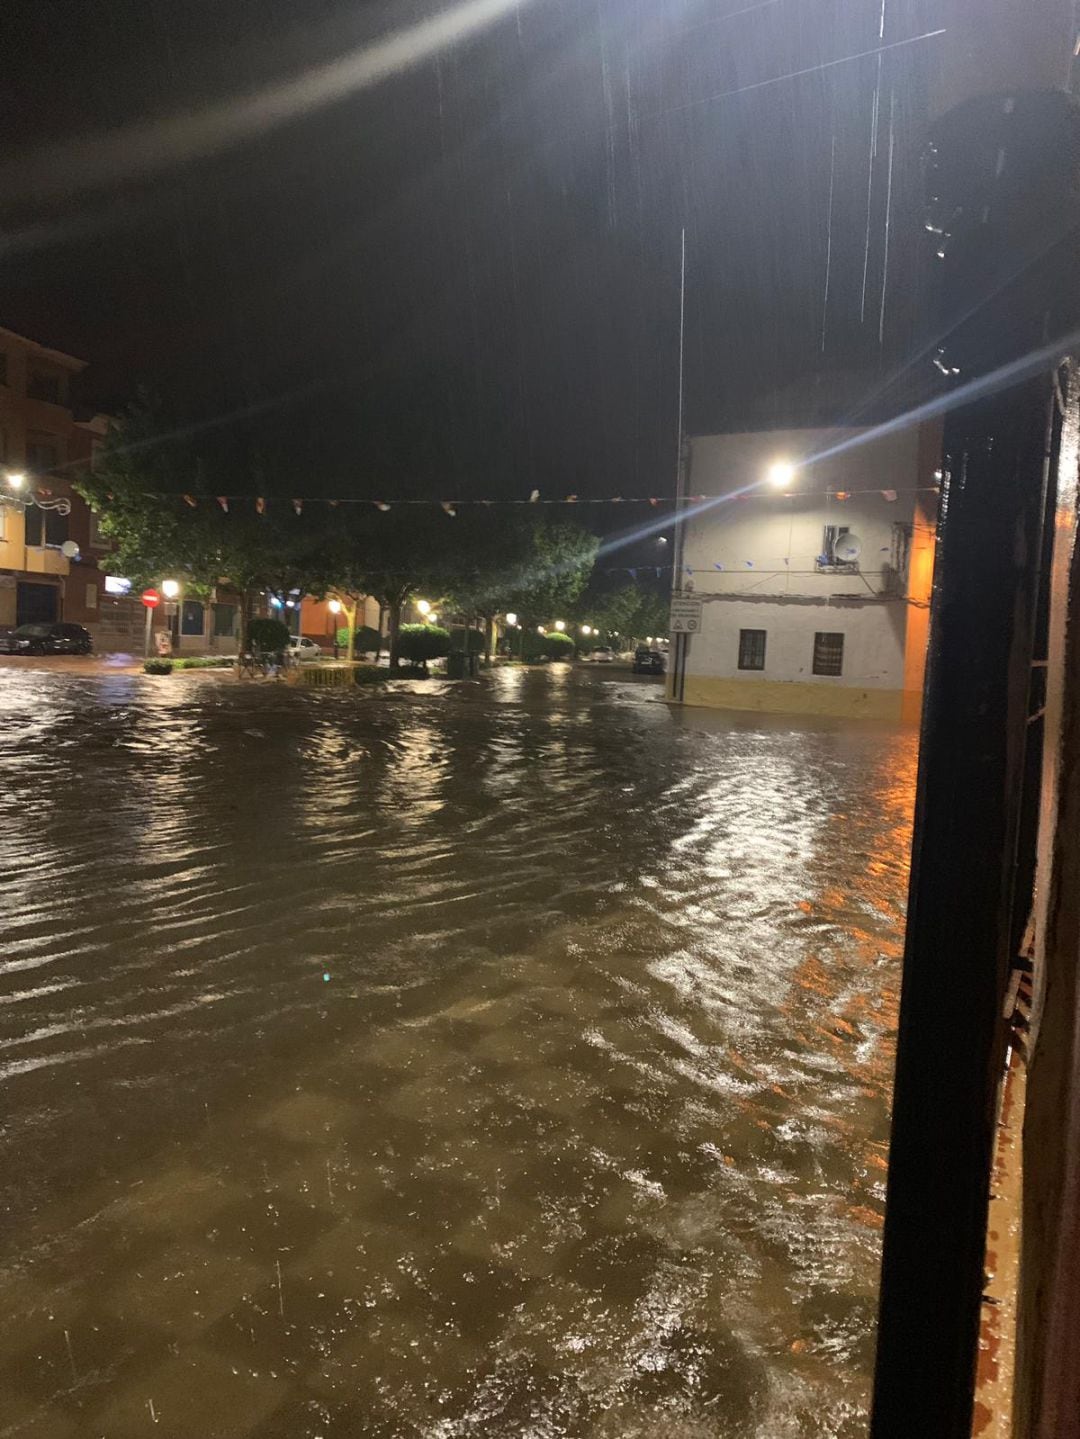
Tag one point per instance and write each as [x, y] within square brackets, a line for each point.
[511, 619]
[16, 479]
[334, 606]
[170, 589]
[560, 625]
[540, 630]
[424, 606]
[433, 618]
[586, 629]
[780, 474]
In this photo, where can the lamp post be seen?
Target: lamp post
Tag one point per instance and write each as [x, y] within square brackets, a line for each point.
[337, 606]
[171, 590]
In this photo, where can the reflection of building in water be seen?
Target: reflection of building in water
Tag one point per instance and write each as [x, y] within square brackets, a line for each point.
[815, 577]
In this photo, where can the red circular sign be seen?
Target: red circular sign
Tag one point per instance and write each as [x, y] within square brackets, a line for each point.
[150, 598]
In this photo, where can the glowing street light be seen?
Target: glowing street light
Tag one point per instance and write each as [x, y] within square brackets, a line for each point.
[334, 606]
[433, 618]
[16, 479]
[170, 589]
[780, 474]
[511, 620]
[560, 625]
[424, 606]
[586, 629]
[540, 630]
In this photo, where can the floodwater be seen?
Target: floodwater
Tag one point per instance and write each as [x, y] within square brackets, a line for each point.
[508, 1059]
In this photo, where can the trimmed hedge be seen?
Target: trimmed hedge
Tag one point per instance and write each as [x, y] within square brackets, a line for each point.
[158, 667]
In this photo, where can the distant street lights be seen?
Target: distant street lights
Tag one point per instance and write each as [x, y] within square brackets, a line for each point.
[560, 625]
[511, 620]
[16, 479]
[424, 606]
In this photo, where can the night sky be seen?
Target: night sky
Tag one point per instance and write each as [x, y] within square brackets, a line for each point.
[464, 279]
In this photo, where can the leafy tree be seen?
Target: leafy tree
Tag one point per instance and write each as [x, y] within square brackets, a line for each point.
[267, 635]
[154, 495]
[421, 643]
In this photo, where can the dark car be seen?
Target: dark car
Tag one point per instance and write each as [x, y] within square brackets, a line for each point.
[45, 639]
[649, 662]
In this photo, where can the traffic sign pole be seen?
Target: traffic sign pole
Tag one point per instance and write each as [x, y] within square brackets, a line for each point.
[150, 599]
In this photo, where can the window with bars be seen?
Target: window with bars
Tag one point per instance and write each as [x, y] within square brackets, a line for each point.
[751, 649]
[828, 653]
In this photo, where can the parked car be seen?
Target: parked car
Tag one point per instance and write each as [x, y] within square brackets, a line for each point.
[46, 639]
[649, 662]
[7, 640]
[603, 655]
[301, 648]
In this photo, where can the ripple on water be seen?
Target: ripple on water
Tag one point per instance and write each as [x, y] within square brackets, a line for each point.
[508, 1059]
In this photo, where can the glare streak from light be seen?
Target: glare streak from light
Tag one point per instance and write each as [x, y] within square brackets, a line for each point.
[1013, 373]
[810, 70]
[143, 150]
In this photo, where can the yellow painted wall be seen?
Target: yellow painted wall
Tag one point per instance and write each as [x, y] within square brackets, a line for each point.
[794, 697]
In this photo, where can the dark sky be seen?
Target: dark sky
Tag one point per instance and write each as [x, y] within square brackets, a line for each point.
[465, 278]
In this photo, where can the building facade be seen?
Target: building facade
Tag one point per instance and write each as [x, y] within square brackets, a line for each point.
[812, 554]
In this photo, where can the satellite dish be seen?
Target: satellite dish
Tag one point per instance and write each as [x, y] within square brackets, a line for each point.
[847, 548]
[69, 549]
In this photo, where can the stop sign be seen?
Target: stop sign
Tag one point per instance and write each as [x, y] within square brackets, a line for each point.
[150, 598]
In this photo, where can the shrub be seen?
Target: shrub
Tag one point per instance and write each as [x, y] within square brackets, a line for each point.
[469, 640]
[268, 636]
[158, 667]
[370, 675]
[553, 646]
[205, 662]
[368, 640]
[421, 643]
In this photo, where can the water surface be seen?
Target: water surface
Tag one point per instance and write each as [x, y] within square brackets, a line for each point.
[501, 1059]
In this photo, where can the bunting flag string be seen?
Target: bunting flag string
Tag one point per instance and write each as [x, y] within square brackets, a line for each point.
[451, 506]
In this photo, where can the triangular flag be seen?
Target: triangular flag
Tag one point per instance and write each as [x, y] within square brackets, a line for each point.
[842, 495]
[333, 504]
[889, 495]
[634, 573]
[447, 508]
[191, 500]
[223, 501]
[571, 499]
[717, 565]
[260, 506]
[298, 506]
[654, 502]
[689, 571]
[381, 505]
[534, 497]
[749, 564]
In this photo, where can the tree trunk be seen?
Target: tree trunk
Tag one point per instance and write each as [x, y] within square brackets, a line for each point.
[246, 597]
[489, 638]
[393, 616]
[379, 625]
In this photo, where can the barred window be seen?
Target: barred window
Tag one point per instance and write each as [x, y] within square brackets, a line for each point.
[751, 649]
[828, 653]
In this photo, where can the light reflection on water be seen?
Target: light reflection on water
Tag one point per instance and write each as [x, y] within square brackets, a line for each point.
[583, 1135]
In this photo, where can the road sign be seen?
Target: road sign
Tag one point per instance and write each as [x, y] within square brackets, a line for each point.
[151, 599]
[685, 615]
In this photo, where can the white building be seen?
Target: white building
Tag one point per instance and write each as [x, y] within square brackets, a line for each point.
[814, 573]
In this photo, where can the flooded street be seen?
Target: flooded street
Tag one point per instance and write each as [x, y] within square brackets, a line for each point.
[508, 1060]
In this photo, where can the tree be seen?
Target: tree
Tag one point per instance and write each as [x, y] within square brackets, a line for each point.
[421, 643]
[155, 497]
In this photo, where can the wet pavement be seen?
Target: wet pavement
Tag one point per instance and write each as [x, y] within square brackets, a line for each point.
[497, 1059]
